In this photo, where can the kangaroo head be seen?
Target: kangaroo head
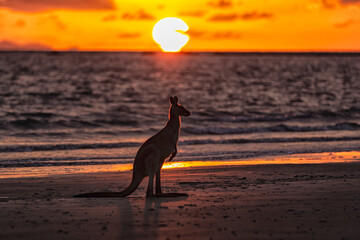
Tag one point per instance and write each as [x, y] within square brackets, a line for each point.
[176, 109]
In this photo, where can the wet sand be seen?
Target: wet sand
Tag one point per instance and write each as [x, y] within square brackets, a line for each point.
[311, 201]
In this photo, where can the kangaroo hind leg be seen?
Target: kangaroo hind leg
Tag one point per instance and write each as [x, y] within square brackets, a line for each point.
[158, 183]
[150, 192]
[148, 162]
[158, 192]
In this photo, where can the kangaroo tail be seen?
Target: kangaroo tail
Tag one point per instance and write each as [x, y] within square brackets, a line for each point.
[135, 182]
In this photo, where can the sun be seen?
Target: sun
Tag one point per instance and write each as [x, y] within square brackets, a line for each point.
[169, 34]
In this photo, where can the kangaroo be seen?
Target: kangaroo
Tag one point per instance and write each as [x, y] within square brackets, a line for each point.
[151, 156]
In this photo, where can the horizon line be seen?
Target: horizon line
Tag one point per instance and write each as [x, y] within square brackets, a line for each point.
[185, 52]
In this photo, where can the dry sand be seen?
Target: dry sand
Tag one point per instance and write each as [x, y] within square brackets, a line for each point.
[314, 201]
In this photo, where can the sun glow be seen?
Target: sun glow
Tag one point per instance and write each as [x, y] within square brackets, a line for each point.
[305, 158]
[169, 34]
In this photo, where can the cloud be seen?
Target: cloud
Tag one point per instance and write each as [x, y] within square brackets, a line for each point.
[43, 5]
[329, 4]
[11, 46]
[111, 17]
[161, 6]
[223, 17]
[226, 34]
[198, 13]
[20, 23]
[129, 35]
[349, 1]
[254, 15]
[139, 15]
[332, 4]
[54, 20]
[58, 23]
[247, 16]
[196, 34]
[344, 24]
[220, 3]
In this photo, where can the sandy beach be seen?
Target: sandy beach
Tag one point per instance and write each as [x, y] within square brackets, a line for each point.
[250, 108]
[286, 201]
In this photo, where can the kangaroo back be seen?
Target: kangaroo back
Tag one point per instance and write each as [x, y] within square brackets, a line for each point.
[135, 182]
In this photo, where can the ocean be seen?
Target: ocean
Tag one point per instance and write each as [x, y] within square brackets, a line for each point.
[63, 112]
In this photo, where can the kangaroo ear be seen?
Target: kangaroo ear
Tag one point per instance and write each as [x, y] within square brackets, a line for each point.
[175, 100]
[171, 100]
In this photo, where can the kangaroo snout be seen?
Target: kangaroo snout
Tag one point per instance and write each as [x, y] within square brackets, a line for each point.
[183, 111]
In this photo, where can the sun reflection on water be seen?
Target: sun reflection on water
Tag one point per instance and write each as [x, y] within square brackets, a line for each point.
[309, 158]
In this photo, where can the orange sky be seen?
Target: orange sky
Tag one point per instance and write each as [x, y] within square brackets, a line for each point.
[215, 25]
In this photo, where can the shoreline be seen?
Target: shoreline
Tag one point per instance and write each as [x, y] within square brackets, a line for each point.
[296, 158]
[288, 201]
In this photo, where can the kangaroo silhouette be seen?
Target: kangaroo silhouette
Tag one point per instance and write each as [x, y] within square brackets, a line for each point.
[151, 156]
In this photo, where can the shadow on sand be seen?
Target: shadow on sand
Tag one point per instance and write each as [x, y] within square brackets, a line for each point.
[143, 222]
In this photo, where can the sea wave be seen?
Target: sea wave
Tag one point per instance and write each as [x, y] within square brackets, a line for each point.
[269, 140]
[208, 156]
[234, 116]
[48, 123]
[70, 146]
[276, 128]
[190, 128]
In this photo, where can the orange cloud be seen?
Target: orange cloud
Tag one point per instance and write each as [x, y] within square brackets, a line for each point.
[139, 15]
[220, 3]
[11, 46]
[223, 17]
[349, 1]
[43, 5]
[332, 4]
[192, 13]
[196, 34]
[111, 17]
[55, 20]
[226, 34]
[161, 6]
[344, 24]
[129, 35]
[254, 15]
[20, 23]
[214, 35]
[329, 4]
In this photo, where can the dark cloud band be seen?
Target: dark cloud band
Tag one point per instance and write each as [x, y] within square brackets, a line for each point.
[43, 5]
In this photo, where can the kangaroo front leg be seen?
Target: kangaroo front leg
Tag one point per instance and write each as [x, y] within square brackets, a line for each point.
[150, 188]
[173, 154]
[158, 183]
